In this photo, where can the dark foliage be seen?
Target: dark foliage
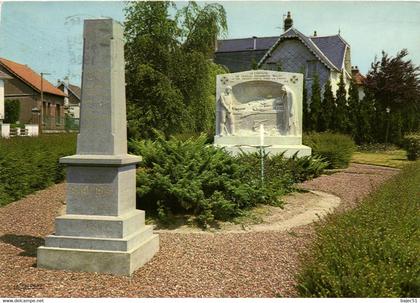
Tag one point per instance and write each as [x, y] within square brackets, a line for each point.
[315, 106]
[326, 117]
[394, 84]
[341, 114]
[11, 111]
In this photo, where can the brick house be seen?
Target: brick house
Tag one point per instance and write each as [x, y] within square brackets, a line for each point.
[327, 56]
[26, 87]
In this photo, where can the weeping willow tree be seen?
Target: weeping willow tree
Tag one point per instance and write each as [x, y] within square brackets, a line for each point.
[169, 72]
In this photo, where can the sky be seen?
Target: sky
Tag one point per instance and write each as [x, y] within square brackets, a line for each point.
[47, 35]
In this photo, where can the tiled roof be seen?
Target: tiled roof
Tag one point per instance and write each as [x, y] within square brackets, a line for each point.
[329, 49]
[294, 33]
[333, 47]
[30, 77]
[245, 44]
[4, 75]
[73, 88]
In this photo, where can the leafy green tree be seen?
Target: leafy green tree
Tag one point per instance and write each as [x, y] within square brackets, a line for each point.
[315, 105]
[354, 111]
[169, 73]
[341, 116]
[199, 27]
[328, 106]
[394, 83]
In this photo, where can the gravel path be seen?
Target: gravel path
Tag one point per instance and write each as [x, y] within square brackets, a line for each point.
[254, 264]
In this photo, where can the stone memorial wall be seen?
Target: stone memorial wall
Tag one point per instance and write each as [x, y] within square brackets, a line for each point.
[247, 100]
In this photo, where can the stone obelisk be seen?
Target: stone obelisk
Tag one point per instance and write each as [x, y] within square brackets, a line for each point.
[102, 231]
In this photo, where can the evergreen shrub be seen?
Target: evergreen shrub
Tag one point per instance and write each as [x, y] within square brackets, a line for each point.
[370, 251]
[28, 164]
[203, 183]
[11, 111]
[289, 170]
[335, 148]
[412, 146]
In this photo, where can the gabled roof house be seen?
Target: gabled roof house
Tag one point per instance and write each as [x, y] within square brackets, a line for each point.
[73, 96]
[292, 51]
[26, 86]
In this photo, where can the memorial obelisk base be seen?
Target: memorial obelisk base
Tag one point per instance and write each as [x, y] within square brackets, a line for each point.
[93, 237]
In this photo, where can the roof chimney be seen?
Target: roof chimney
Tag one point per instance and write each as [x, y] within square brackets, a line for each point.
[288, 22]
[255, 42]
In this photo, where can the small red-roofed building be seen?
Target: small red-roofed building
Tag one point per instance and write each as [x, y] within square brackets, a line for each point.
[40, 101]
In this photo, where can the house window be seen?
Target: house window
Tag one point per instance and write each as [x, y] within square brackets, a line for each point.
[57, 114]
[311, 68]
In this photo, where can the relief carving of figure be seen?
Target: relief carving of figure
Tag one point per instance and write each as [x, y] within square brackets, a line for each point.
[225, 112]
[292, 112]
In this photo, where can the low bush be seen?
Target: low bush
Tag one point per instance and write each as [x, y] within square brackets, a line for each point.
[189, 177]
[335, 148]
[412, 146]
[28, 164]
[372, 250]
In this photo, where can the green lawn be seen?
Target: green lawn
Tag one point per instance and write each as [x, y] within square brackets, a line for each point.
[392, 158]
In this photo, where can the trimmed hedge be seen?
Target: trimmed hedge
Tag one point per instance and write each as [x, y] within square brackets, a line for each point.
[335, 148]
[203, 183]
[372, 250]
[28, 164]
[412, 146]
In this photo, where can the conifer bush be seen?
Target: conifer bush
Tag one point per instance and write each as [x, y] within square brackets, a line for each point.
[199, 181]
[335, 148]
[30, 164]
[412, 146]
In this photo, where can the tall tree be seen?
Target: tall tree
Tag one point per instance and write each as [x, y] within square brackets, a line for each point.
[305, 107]
[315, 104]
[341, 117]
[354, 111]
[366, 120]
[394, 83]
[328, 108]
[169, 72]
